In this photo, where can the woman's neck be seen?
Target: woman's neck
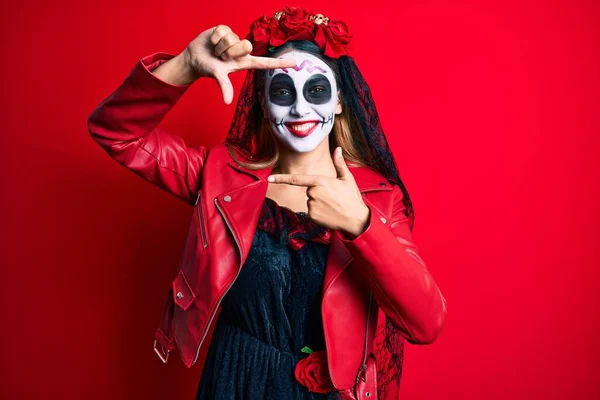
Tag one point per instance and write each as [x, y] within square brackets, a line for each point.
[314, 162]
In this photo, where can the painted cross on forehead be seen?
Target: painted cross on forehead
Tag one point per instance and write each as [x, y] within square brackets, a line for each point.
[301, 102]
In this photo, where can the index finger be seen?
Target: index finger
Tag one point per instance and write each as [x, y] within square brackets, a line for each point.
[255, 62]
[296, 179]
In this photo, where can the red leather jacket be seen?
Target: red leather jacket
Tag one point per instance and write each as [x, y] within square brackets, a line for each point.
[377, 272]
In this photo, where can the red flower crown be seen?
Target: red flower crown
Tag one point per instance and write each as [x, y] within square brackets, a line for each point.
[293, 23]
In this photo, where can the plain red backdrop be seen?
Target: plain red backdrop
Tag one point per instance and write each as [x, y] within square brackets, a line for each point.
[491, 108]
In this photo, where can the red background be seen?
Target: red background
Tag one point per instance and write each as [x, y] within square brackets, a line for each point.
[491, 108]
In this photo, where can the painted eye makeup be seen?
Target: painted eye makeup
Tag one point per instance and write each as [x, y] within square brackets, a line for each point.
[282, 91]
[317, 90]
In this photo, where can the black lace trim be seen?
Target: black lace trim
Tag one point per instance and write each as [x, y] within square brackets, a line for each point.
[389, 355]
[290, 227]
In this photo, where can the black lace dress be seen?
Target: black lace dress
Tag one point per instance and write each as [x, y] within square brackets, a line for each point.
[270, 313]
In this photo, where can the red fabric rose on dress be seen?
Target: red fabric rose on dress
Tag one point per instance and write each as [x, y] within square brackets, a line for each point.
[313, 372]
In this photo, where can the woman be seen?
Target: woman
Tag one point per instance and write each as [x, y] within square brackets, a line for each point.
[301, 233]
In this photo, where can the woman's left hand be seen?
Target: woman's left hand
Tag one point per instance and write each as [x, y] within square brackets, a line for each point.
[334, 203]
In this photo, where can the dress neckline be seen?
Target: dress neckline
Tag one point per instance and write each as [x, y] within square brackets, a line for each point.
[291, 227]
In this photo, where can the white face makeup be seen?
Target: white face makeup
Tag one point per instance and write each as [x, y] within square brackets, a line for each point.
[301, 101]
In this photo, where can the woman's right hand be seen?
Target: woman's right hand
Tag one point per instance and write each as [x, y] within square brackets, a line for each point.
[218, 51]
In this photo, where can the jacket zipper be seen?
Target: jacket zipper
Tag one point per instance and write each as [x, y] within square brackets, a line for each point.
[201, 218]
[363, 367]
[229, 287]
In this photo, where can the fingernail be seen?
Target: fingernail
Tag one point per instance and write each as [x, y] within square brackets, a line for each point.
[271, 178]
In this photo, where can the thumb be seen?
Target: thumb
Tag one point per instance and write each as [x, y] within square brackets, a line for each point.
[226, 87]
[340, 164]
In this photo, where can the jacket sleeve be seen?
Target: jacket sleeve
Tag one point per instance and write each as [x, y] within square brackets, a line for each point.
[402, 285]
[126, 123]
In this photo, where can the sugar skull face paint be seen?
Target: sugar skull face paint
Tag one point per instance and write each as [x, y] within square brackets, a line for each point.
[301, 102]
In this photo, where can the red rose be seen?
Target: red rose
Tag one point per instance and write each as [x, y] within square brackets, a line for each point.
[313, 372]
[294, 16]
[278, 36]
[340, 30]
[259, 35]
[334, 38]
[293, 25]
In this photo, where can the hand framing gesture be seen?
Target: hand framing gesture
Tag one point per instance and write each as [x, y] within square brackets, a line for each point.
[334, 203]
[218, 51]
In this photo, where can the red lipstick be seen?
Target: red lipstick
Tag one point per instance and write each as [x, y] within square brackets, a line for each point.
[301, 128]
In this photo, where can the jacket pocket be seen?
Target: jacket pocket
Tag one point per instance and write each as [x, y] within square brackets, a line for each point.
[201, 220]
[183, 295]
